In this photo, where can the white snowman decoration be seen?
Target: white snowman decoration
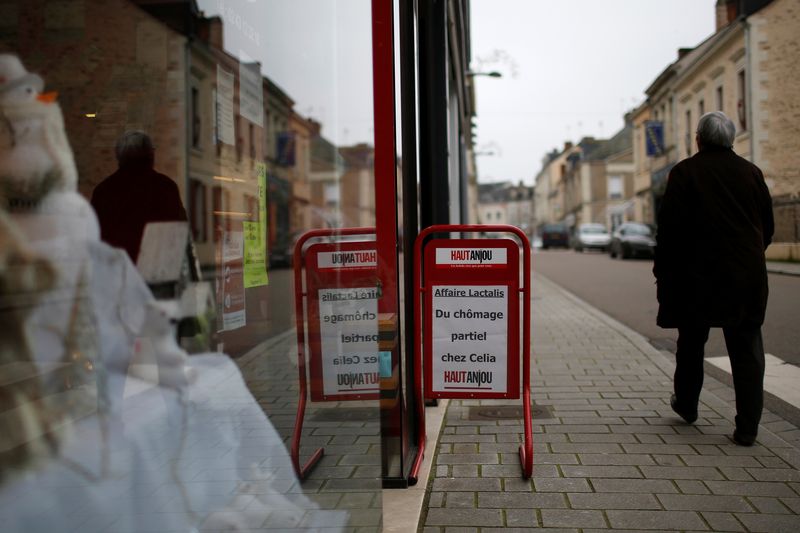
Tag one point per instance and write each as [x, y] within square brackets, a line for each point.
[35, 156]
[98, 285]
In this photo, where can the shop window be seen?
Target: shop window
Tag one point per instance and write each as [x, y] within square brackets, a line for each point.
[125, 425]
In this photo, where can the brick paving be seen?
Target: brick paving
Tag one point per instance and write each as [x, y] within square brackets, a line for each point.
[347, 478]
[614, 456]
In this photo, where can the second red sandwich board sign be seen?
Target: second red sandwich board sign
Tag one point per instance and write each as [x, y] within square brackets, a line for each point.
[471, 318]
[343, 321]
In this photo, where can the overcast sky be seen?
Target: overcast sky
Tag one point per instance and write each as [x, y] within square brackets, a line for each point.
[570, 68]
[580, 65]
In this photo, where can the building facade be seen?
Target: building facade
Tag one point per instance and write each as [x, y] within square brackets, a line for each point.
[506, 203]
[746, 69]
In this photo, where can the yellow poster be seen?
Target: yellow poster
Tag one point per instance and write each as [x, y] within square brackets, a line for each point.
[255, 238]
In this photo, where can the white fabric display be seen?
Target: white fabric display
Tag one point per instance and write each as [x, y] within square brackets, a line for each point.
[208, 458]
[188, 447]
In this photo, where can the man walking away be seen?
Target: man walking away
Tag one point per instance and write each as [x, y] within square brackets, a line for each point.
[714, 224]
[134, 195]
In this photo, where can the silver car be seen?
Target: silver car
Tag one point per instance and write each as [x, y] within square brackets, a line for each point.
[591, 237]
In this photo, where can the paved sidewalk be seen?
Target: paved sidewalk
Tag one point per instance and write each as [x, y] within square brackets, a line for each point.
[613, 455]
[781, 267]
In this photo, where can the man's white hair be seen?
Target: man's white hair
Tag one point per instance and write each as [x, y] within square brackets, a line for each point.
[716, 129]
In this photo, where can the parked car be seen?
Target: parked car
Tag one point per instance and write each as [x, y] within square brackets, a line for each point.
[632, 239]
[555, 235]
[591, 236]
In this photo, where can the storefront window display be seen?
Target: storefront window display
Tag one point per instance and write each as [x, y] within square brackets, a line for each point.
[161, 167]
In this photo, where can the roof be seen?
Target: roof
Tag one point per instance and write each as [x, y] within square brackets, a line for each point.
[324, 155]
[495, 193]
[620, 142]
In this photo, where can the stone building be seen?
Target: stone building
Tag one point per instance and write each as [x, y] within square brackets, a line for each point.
[506, 203]
[549, 190]
[773, 43]
[749, 70]
[588, 182]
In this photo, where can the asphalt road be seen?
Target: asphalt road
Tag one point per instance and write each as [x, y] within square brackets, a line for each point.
[626, 290]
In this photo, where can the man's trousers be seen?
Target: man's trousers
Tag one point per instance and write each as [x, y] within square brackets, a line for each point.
[746, 352]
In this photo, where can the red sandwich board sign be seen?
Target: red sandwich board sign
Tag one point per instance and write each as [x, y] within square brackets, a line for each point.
[343, 320]
[471, 318]
[467, 292]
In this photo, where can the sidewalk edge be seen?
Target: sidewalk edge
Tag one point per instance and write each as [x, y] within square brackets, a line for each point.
[402, 508]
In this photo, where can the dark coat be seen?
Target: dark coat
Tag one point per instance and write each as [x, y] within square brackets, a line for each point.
[714, 223]
[130, 198]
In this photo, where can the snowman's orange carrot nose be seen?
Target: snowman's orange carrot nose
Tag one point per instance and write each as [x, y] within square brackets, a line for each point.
[47, 98]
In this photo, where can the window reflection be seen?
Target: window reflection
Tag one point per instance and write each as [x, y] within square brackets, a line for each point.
[263, 127]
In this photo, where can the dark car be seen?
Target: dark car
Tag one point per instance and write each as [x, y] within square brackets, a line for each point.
[632, 239]
[555, 235]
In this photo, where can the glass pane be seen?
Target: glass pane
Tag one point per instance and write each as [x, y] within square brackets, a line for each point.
[165, 362]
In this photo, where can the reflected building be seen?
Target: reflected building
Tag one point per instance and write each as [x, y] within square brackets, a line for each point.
[256, 173]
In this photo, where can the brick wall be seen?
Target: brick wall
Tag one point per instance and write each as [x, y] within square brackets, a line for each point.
[110, 58]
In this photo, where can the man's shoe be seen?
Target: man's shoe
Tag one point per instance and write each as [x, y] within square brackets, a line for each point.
[743, 439]
[688, 416]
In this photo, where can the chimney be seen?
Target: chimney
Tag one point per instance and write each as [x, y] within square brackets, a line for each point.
[214, 37]
[628, 118]
[567, 145]
[683, 51]
[314, 126]
[727, 11]
[733, 10]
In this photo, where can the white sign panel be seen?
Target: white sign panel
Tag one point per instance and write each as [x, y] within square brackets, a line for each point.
[470, 338]
[471, 256]
[233, 294]
[348, 259]
[225, 123]
[162, 251]
[251, 94]
[348, 320]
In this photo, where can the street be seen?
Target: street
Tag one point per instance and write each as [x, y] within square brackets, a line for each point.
[626, 290]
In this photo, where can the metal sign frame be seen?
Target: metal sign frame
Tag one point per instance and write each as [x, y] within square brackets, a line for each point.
[300, 294]
[420, 290]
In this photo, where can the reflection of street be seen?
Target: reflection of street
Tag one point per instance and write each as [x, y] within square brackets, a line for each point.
[263, 324]
[349, 474]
